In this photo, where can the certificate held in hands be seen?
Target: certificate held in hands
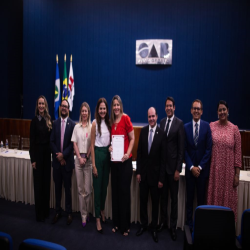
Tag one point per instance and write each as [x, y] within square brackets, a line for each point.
[118, 147]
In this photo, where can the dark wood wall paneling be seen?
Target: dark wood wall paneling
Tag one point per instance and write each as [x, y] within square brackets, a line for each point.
[22, 127]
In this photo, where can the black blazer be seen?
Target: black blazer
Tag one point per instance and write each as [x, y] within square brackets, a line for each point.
[151, 166]
[55, 144]
[174, 144]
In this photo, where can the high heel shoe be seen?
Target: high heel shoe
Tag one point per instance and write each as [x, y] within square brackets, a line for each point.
[98, 223]
[103, 220]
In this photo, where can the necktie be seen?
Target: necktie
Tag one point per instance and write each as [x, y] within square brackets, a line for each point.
[62, 134]
[196, 134]
[169, 120]
[150, 140]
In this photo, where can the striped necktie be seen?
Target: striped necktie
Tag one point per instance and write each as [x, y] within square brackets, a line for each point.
[196, 134]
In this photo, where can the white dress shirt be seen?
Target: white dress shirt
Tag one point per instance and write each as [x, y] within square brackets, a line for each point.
[153, 132]
[170, 123]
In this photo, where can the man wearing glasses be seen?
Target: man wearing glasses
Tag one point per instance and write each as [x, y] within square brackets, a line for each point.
[198, 148]
[63, 160]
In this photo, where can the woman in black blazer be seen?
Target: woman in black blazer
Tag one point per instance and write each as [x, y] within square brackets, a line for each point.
[40, 156]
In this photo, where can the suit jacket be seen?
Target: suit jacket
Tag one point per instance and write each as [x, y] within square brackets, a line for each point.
[174, 144]
[198, 155]
[151, 166]
[55, 144]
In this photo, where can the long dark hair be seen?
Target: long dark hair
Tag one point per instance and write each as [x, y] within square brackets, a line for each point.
[98, 117]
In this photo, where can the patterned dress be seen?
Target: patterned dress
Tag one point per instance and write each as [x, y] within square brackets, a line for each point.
[226, 155]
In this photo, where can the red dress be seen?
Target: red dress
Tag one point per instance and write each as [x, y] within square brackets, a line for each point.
[123, 127]
[226, 155]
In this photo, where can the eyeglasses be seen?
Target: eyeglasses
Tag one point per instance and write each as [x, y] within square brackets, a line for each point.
[195, 108]
[64, 106]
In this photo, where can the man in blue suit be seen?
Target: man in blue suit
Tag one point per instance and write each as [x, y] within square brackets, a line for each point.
[62, 160]
[198, 148]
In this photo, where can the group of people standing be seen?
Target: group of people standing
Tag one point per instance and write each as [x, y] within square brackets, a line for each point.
[211, 152]
[92, 147]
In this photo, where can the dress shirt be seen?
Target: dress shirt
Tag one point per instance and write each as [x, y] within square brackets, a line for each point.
[170, 123]
[65, 123]
[199, 122]
[82, 136]
[153, 132]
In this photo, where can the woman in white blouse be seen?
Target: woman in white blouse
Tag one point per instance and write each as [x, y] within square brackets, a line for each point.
[100, 141]
[81, 139]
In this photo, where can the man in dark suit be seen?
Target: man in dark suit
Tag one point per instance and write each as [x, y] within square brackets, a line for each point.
[174, 144]
[62, 160]
[150, 170]
[198, 148]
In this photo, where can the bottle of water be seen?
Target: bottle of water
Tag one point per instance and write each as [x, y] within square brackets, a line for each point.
[1, 146]
[7, 144]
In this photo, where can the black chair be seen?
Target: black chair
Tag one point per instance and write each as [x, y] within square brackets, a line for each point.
[6, 242]
[244, 237]
[34, 244]
[214, 228]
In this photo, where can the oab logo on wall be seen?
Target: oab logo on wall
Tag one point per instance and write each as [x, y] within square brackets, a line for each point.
[153, 52]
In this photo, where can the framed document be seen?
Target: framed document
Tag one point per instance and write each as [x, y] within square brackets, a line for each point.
[118, 147]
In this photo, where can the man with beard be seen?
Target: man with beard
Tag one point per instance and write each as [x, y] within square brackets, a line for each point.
[63, 160]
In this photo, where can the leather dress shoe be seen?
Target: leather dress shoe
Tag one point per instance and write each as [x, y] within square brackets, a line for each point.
[140, 231]
[173, 234]
[155, 237]
[56, 218]
[69, 220]
[161, 227]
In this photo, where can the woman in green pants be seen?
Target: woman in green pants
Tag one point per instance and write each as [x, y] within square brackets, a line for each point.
[100, 141]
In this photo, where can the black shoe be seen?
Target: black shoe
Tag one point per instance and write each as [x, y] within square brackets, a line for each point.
[69, 220]
[161, 226]
[154, 235]
[100, 231]
[56, 218]
[173, 234]
[140, 231]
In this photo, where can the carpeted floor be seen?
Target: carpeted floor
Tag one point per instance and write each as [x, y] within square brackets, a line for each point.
[18, 220]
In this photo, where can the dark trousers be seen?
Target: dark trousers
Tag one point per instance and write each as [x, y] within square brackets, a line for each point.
[60, 176]
[42, 175]
[154, 193]
[100, 183]
[173, 186]
[121, 175]
[200, 184]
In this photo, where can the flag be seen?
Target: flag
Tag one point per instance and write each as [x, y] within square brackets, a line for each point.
[57, 90]
[71, 87]
[65, 85]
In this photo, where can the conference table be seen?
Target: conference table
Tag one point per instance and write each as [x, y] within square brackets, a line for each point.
[16, 184]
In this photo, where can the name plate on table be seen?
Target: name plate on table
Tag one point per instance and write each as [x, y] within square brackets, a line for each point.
[118, 147]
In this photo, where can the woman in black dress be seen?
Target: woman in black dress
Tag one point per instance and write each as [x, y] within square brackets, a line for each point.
[40, 156]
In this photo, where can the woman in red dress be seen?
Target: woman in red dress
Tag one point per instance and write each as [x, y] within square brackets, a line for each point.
[225, 161]
[121, 172]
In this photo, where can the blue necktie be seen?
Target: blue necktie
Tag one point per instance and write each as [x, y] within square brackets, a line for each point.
[150, 140]
[196, 134]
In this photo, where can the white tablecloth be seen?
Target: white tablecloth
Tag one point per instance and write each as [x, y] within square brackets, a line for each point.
[16, 184]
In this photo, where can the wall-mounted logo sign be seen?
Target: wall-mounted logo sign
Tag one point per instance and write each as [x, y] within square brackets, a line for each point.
[153, 52]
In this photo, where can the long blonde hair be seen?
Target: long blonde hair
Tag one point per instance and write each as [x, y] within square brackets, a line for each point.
[112, 115]
[46, 116]
[85, 104]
